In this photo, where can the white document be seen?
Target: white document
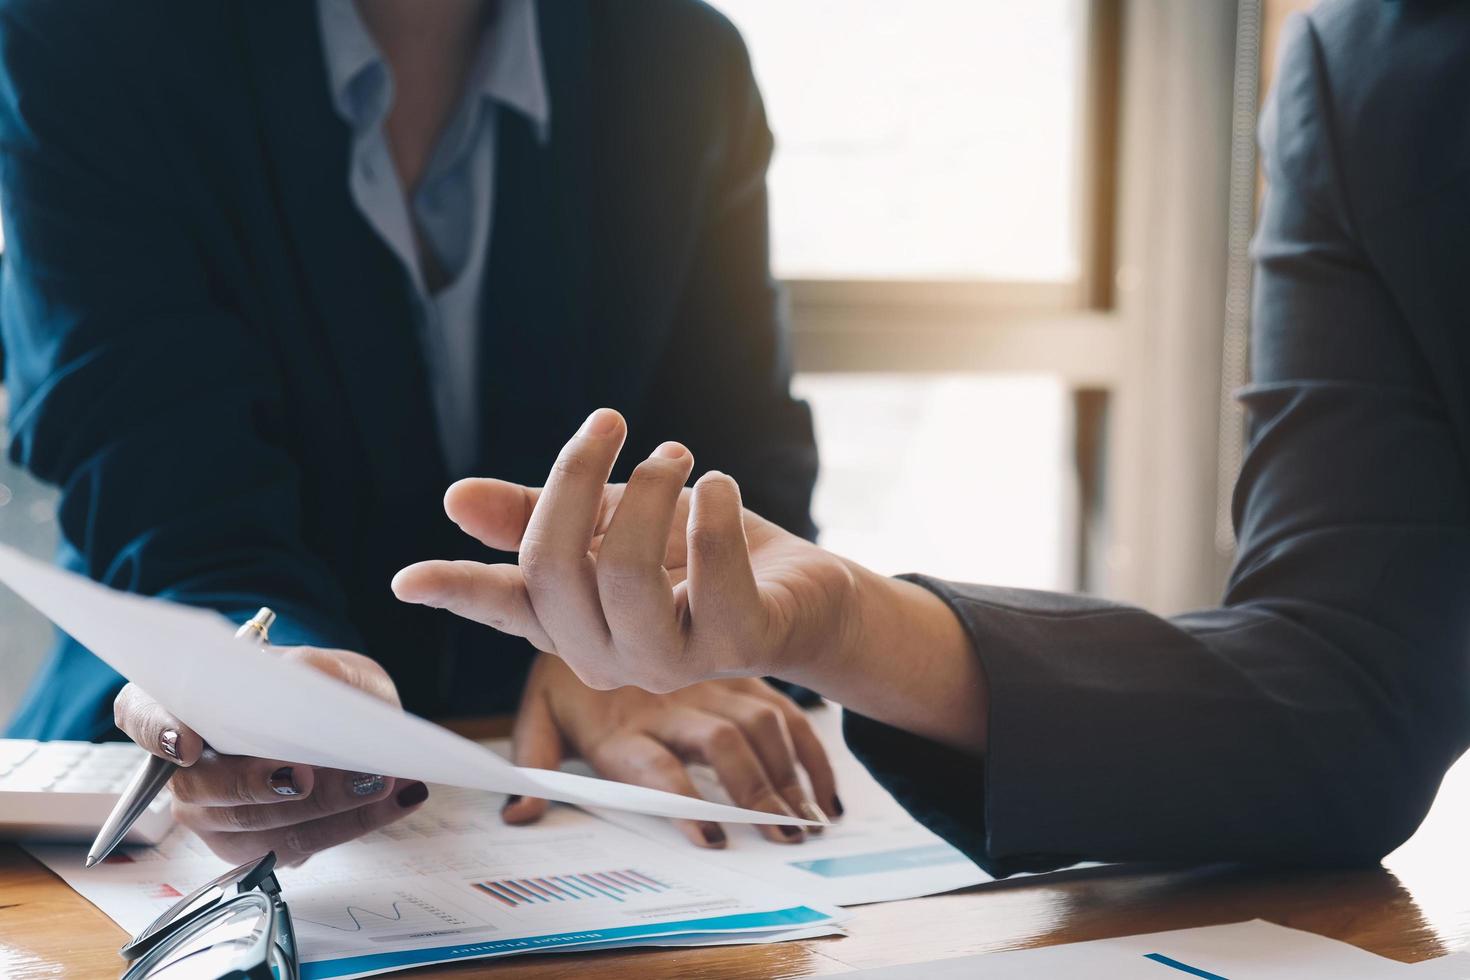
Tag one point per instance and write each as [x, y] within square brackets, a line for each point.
[1455, 966]
[451, 882]
[244, 701]
[1253, 950]
[875, 853]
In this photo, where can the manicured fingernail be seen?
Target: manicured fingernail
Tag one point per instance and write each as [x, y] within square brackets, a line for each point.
[837, 807]
[712, 834]
[810, 811]
[365, 784]
[169, 742]
[283, 782]
[510, 801]
[412, 795]
[790, 833]
[600, 422]
[670, 450]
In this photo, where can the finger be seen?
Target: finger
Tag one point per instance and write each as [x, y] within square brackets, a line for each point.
[335, 792]
[633, 757]
[636, 594]
[811, 754]
[154, 727]
[700, 736]
[492, 595]
[723, 600]
[363, 673]
[296, 843]
[537, 744]
[232, 780]
[559, 572]
[494, 512]
[764, 727]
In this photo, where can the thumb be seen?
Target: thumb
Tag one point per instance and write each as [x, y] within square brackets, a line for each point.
[536, 743]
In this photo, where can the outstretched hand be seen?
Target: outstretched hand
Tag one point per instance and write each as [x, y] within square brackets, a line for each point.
[646, 583]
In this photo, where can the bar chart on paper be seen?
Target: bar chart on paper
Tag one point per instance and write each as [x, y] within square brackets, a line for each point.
[582, 886]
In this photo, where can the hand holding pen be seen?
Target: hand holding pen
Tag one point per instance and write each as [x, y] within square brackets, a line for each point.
[242, 807]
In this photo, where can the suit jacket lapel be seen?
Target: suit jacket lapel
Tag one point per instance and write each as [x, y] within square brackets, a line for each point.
[534, 306]
[355, 284]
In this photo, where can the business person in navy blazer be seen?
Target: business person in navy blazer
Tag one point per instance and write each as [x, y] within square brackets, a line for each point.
[278, 272]
[1309, 717]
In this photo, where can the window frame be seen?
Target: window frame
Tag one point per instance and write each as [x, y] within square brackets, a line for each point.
[1138, 336]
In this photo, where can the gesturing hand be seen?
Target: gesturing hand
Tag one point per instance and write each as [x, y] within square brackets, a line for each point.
[645, 583]
[243, 807]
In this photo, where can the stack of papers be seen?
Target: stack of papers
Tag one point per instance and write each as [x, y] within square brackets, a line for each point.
[452, 882]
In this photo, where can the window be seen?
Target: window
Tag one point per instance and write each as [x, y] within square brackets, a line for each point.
[931, 473]
[936, 212]
[931, 140]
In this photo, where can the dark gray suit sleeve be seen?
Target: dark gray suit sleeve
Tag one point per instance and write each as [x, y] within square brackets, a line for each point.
[1310, 718]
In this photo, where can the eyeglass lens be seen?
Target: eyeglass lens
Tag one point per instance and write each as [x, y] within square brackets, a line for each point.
[231, 939]
[208, 894]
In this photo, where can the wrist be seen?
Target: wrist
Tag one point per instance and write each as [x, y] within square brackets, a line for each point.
[836, 643]
[900, 655]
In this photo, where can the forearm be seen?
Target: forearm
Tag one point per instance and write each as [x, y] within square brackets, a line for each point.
[903, 658]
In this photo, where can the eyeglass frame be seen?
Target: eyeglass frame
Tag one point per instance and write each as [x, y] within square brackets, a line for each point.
[255, 884]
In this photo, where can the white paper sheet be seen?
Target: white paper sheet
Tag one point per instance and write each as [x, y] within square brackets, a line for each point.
[1455, 966]
[451, 882]
[1253, 950]
[877, 852]
[244, 701]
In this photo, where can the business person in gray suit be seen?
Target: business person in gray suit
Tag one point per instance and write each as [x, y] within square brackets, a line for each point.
[1307, 719]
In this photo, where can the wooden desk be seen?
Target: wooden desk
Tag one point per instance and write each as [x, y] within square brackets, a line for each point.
[1414, 908]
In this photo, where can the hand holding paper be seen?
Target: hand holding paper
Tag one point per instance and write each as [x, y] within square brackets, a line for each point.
[242, 807]
[244, 701]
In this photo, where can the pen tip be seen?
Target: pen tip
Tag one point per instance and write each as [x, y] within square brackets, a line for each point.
[91, 860]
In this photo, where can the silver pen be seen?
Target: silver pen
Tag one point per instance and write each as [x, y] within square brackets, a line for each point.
[154, 774]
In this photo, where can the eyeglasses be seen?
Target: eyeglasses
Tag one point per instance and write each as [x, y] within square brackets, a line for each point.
[236, 927]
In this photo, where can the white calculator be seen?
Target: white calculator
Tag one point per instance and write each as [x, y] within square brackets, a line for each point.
[63, 791]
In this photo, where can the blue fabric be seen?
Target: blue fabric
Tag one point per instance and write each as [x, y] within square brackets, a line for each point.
[1310, 717]
[214, 355]
[453, 203]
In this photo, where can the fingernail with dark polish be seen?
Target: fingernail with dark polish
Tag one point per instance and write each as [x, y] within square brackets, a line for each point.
[712, 834]
[365, 784]
[283, 782]
[169, 742]
[510, 801]
[790, 833]
[412, 795]
[837, 808]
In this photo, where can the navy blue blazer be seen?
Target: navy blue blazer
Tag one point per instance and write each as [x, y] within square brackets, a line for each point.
[1311, 716]
[211, 353]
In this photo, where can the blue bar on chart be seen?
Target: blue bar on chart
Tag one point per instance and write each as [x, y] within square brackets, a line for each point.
[580, 886]
[878, 862]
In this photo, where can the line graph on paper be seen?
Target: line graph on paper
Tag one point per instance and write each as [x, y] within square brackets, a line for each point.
[355, 916]
[398, 912]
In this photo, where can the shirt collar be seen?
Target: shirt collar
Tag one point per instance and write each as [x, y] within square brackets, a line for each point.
[512, 72]
[509, 69]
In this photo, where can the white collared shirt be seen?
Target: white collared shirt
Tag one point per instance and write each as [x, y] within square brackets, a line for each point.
[454, 203]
